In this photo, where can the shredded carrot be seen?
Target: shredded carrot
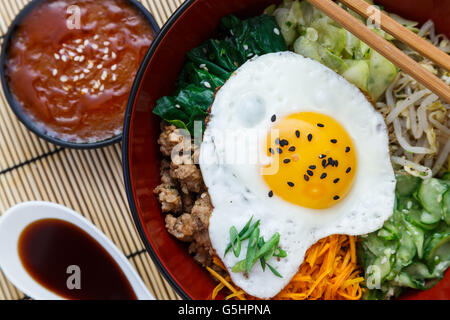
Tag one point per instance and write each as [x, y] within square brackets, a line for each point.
[329, 272]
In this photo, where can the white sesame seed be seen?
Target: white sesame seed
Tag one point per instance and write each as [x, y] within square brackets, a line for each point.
[63, 78]
[96, 37]
[61, 51]
[56, 56]
[106, 50]
[54, 72]
[90, 65]
[86, 42]
[82, 76]
[86, 71]
[104, 75]
[64, 58]
[100, 66]
[102, 88]
[79, 50]
[114, 55]
[96, 84]
[84, 90]
[78, 41]
[114, 67]
[106, 43]
[82, 58]
[105, 57]
[207, 84]
[77, 58]
[276, 31]
[202, 66]
[114, 77]
[95, 46]
[71, 53]
[245, 47]
[177, 106]
[76, 78]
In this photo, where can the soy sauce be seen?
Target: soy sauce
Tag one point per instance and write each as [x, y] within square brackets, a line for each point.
[69, 262]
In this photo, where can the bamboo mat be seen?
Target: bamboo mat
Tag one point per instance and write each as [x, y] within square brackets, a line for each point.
[90, 182]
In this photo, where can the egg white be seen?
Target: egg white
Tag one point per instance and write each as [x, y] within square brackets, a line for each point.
[283, 84]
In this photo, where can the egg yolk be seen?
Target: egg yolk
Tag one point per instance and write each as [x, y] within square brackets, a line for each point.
[313, 160]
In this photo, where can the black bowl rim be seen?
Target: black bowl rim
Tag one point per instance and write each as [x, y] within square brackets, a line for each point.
[15, 104]
[126, 143]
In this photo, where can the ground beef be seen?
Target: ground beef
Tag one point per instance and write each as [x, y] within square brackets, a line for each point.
[182, 194]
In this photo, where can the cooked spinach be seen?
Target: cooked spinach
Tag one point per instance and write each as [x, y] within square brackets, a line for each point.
[208, 66]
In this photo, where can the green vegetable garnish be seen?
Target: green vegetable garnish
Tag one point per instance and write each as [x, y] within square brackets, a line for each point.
[208, 66]
[235, 241]
[412, 250]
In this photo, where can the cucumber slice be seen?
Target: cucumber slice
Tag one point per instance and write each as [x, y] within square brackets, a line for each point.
[430, 195]
[287, 19]
[417, 235]
[446, 207]
[307, 48]
[357, 73]
[381, 267]
[406, 184]
[418, 270]
[332, 61]
[330, 37]
[414, 216]
[406, 251]
[404, 280]
[382, 73]
[437, 249]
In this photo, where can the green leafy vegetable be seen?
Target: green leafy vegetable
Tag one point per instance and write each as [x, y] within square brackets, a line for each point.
[208, 66]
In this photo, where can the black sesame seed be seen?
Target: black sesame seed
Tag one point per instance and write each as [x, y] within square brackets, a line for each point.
[348, 170]
[333, 141]
[347, 149]
[297, 134]
[271, 151]
[287, 161]
[312, 167]
[270, 194]
[291, 184]
[279, 150]
[336, 198]
[320, 125]
[292, 149]
[322, 156]
[274, 118]
[310, 173]
[310, 136]
[306, 177]
[324, 163]
[323, 176]
[336, 163]
[284, 142]
[336, 180]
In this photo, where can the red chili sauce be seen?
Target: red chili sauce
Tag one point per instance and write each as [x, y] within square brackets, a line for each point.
[75, 83]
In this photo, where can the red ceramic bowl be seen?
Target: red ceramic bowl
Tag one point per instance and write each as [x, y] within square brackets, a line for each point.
[191, 24]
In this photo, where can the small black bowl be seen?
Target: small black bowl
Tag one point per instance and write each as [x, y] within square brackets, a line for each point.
[16, 105]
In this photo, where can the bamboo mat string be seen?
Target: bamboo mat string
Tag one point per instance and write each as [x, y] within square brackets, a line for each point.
[90, 182]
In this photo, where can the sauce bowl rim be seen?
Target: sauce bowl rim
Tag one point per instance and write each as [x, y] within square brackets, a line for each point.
[15, 105]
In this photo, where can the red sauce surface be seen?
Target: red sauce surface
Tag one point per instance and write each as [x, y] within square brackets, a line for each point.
[75, 83]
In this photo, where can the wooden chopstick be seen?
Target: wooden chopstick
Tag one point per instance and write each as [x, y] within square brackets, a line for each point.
[400, 32]
[384, 47]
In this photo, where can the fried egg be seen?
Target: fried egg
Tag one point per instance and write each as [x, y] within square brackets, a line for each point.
[291, 143]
